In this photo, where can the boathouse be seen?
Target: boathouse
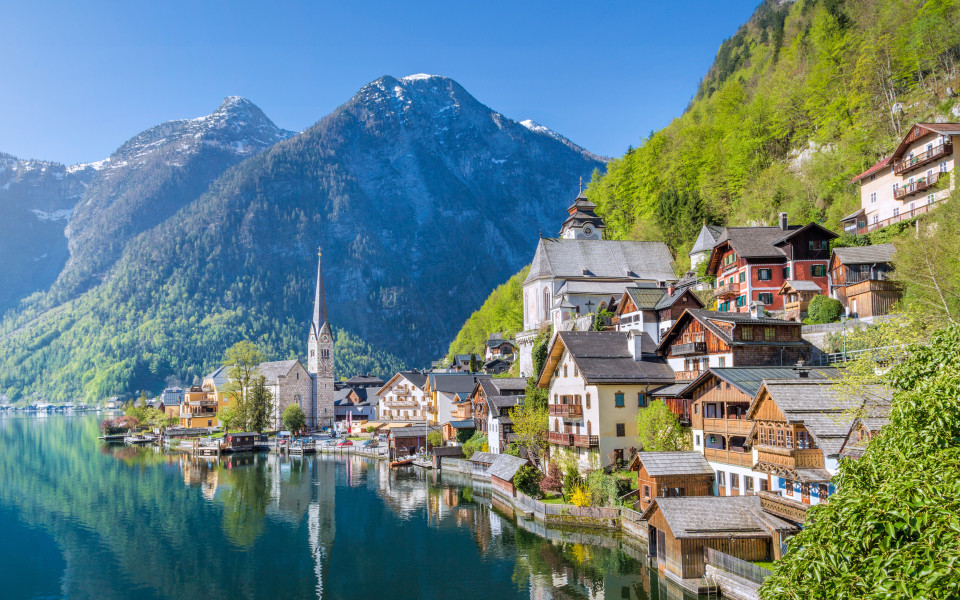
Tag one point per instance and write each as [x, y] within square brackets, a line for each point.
[503, 470]
[671, 474]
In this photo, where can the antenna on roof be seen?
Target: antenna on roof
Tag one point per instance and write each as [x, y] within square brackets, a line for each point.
[581, 184]
[540, 232]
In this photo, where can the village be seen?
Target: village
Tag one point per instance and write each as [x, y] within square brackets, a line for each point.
[759, 414]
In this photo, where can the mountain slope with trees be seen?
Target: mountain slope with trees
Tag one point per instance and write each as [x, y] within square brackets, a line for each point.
[802, 98]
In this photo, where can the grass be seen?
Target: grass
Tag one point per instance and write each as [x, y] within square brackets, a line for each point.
[763, 563]
[554, 500]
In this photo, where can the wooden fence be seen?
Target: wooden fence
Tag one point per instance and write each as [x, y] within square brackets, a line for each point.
[734, 565]
[567, 510]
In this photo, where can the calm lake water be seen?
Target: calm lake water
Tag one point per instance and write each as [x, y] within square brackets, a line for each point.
[82, 520]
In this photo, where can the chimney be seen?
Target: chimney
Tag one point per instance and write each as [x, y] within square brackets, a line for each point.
[672, 288]
[756, 310]
[634, 339]
[802, 372]
[782, 217]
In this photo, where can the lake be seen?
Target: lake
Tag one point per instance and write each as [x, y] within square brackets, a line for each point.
[79, 519]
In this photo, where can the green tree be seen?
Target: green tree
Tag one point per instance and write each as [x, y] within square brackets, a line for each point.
[530, 427]
[435, 439]
[602, 488]
[890, 530]
[527, 480]
[658, 429]
[463, 435]
[230, 418]
[261, 405]
[474, 364]
[501, 312]
[294, 418]
[824, 309]
[600, 319]
[241, 361]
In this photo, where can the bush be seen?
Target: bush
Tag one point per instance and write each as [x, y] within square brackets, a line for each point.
[571, 478]
[527, 480]
[554, 479]
[293, 417]
[371, 429]
[435, 439]
[477, 443]
[602, 488]
[824, 309]
[580, 497]
[464, 435]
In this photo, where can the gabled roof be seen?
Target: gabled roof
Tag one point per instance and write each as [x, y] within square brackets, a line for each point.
[669, 300]
[454, 451]
[497, 342]
[806, 228]
[871, 416]
[276, 369]
[707, 239]
[717, 517]
[370, 380]
[645, 298]
[604, 357]
[749, 379]
[483, 457]
[710, 318]
[453, 383]
[501, 405]
[502, 386]
[416, 378]
[663, 464]
[926, 129]
[820, 406]
[463, 424]
[755, 242]
[506, 466]
[853, 215]
[878, 166]
[605, 259]
[865, 255]
[220, 377]
[799, 285]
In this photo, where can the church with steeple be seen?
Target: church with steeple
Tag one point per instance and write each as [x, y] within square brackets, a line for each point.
[320, 359]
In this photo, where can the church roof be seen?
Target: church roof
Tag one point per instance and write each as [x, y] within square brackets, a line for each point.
[601, 259]
[319, 303]
[273, 370]
[707, 239]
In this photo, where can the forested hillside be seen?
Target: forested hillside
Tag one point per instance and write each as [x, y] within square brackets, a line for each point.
[802, 98]
[502, 312]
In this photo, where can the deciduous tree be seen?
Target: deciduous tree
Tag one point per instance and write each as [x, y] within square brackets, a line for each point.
[658, 429]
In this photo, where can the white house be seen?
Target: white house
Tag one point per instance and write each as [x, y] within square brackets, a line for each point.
[402, 398]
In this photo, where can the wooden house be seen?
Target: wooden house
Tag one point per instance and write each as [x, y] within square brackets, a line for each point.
[502, 471]
[480, 463]
[720, 400]
[670, 475]
[442, 452]
[679, 529]
[491, 400]
[701, 339]
[797, 295]
[239, 442]
[873, 415]
[653, 310]
[859, 280]
[407, 441]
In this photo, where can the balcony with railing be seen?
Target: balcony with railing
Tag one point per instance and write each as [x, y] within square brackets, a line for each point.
[560, 439]
[912, 163]
[586, 441]
[920, 185]
[399, 401]
[727, 426]
[903, 216]
[688, 348]
[809, 458]
[567, 411]
[688, 375]
[785, 508]
[734, 456]
[727, 290]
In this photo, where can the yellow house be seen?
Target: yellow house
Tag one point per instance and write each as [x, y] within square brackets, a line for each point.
[199, 408]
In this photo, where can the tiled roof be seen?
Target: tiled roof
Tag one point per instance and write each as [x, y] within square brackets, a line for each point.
[669, 300]
[863, 255]
[709, 319]
[707, 239]
[671, 391]
[749, 379]
[716, 517]
[454, 451]
[646, 298]
[413, 431]
[597, 288]
[603, 357]
[365, 380]
[483, 457]
[791, 232]
[455, 382]
[220, 377]
[506, 466]
[578, 259]
[878, 166]
[802, 285]
[502, 404]
[755, 242]
[662, 464]
[463, 424]
[276, 369]
[502, 386]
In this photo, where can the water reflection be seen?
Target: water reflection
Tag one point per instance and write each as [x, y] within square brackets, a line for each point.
[168, 525]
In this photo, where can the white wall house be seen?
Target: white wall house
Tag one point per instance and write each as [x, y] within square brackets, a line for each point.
[402, 398]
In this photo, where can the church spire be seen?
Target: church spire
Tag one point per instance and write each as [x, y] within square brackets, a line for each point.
[319, 299]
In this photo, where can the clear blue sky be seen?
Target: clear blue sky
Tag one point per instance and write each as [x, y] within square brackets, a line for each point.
[80, 78]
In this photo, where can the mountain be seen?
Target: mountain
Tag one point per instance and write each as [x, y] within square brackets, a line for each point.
[803, 97]
[422, 199]
[37, 199]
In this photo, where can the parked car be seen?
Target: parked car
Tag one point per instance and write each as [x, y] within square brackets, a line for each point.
[344, 443]
[371, 444]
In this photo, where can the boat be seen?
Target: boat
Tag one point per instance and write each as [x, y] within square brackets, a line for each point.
[239, 442]
[115, 438]
[402, 462]
[139, 440]
[303, 447]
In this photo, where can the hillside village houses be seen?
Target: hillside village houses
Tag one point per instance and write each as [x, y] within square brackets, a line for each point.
[491, 400]
[653, 310]
[402, 398]
[911, 181]
[597, 381]
[859, 279]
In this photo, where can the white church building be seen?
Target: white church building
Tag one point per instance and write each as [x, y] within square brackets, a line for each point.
[579, 272]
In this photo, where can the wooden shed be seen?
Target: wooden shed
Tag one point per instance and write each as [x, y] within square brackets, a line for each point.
[679, 529]
[671, 474]
[502, 471]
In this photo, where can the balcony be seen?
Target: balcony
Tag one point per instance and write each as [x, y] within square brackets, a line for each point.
[560, 439]
[811, 458]
[400, 402]
[586, 441]
[903, 216]
[200, 403]
[688, 375]
[798, 306]
[740, 458]
[567, 411]
[728, 290]
[728, 426]
[785, 508]
[688, 348]
[915, 162]
[921, 185]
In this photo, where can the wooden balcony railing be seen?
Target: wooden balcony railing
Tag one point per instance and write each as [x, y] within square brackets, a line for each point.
[729, 457]
[904, 216]
[792, 459]
[688, 375]
[915, 162]
[586, 441]
[798, 306]
[560, 439]
[688, 348]
[920, 185]
[728, 289]
[568, 411]
[776, 504]
[727, 426]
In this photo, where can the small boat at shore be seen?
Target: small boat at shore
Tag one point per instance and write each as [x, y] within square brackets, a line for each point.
[139, 440]
[303, 447]
[402, 463]
[116, 438]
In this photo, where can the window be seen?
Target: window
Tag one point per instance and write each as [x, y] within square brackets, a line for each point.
[896, 211]
[710, 411]
[556, 399]
[764, 486]
[697, 440]
[764, 274]
[748, 484]
[721, 478]
[742, 277]
[734, 481]
[896, 187]
[786, 272]
[621, 429]
[646, 491]
[723, 361]
[325, 353]
[816, 245]
[789, 437]
[788, 487]
[564, 370]
[943, 167]
[802, 443]
[876, 219]
[769, 334]
[746, 333]
[765, 297]
[818, 270]
[588, 400]
[641, 400]
[312, 352]
[779, 437]
[873, 198]
[823, 491]
[618, 399]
